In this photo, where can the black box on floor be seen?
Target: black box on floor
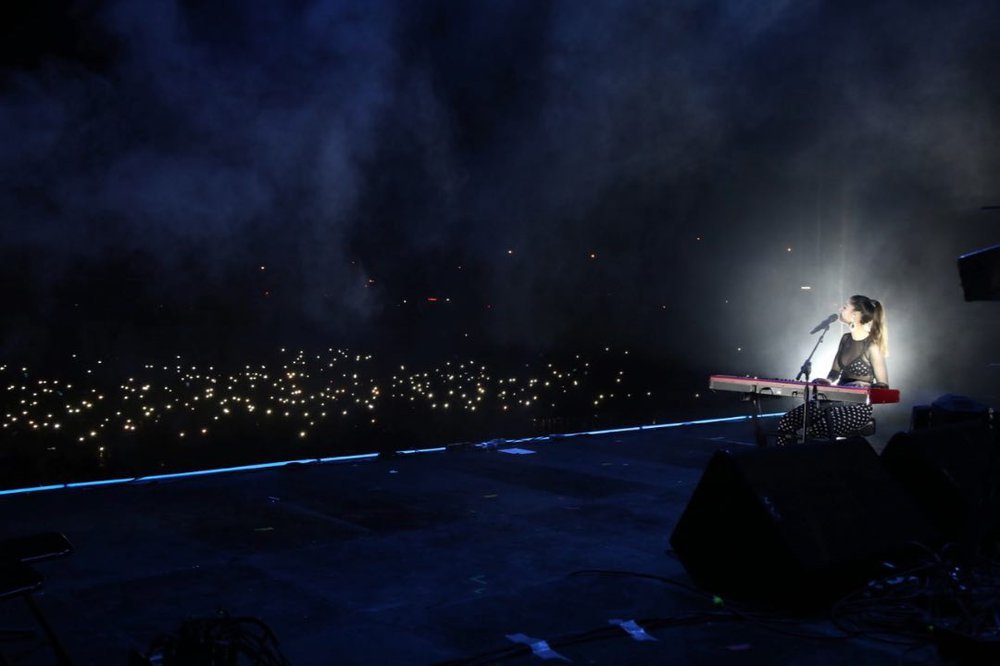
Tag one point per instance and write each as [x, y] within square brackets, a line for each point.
[948, 410]
[953, 473]
[800, 524]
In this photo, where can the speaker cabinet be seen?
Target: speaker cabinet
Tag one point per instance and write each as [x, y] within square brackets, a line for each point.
[802, 523]
[980, 274]
[953, 474]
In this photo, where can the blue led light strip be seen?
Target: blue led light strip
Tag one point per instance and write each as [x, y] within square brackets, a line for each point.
[656, 426]
[361, 456]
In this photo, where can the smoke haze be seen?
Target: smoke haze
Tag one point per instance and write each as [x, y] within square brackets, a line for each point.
[665, 176]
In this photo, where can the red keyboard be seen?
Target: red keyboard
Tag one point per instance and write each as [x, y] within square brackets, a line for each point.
[789, 388]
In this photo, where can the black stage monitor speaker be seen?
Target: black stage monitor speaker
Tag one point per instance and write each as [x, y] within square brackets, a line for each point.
[980, 274]
[953, 474]
[950, 409]
[799, 524]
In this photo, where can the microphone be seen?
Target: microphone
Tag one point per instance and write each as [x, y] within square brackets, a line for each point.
[825, 324]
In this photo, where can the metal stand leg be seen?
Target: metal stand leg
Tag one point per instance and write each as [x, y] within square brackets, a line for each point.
[62, 657]
[758, 431]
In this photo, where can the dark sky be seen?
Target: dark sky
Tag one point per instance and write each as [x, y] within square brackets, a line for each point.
[557, 174]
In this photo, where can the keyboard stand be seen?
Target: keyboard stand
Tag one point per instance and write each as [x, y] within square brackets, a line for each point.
[18, 579]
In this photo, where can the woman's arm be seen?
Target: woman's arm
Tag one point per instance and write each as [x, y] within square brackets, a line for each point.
[835, 368]
[878, 365]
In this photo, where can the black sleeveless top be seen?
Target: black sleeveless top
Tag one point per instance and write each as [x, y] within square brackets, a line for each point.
[852, 362]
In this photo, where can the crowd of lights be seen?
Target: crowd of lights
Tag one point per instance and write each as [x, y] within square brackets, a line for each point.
[295, 396]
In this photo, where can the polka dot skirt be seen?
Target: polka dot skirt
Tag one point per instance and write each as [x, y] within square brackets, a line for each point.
[844, 417]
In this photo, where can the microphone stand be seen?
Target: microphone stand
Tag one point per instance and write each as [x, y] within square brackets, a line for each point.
[805, 370]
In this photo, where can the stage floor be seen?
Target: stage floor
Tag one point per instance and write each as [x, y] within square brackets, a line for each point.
[417, 559]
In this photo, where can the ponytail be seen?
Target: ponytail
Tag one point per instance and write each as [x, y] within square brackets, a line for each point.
[880, 328]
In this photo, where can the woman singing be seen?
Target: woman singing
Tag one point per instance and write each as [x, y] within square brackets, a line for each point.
[860, 361]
